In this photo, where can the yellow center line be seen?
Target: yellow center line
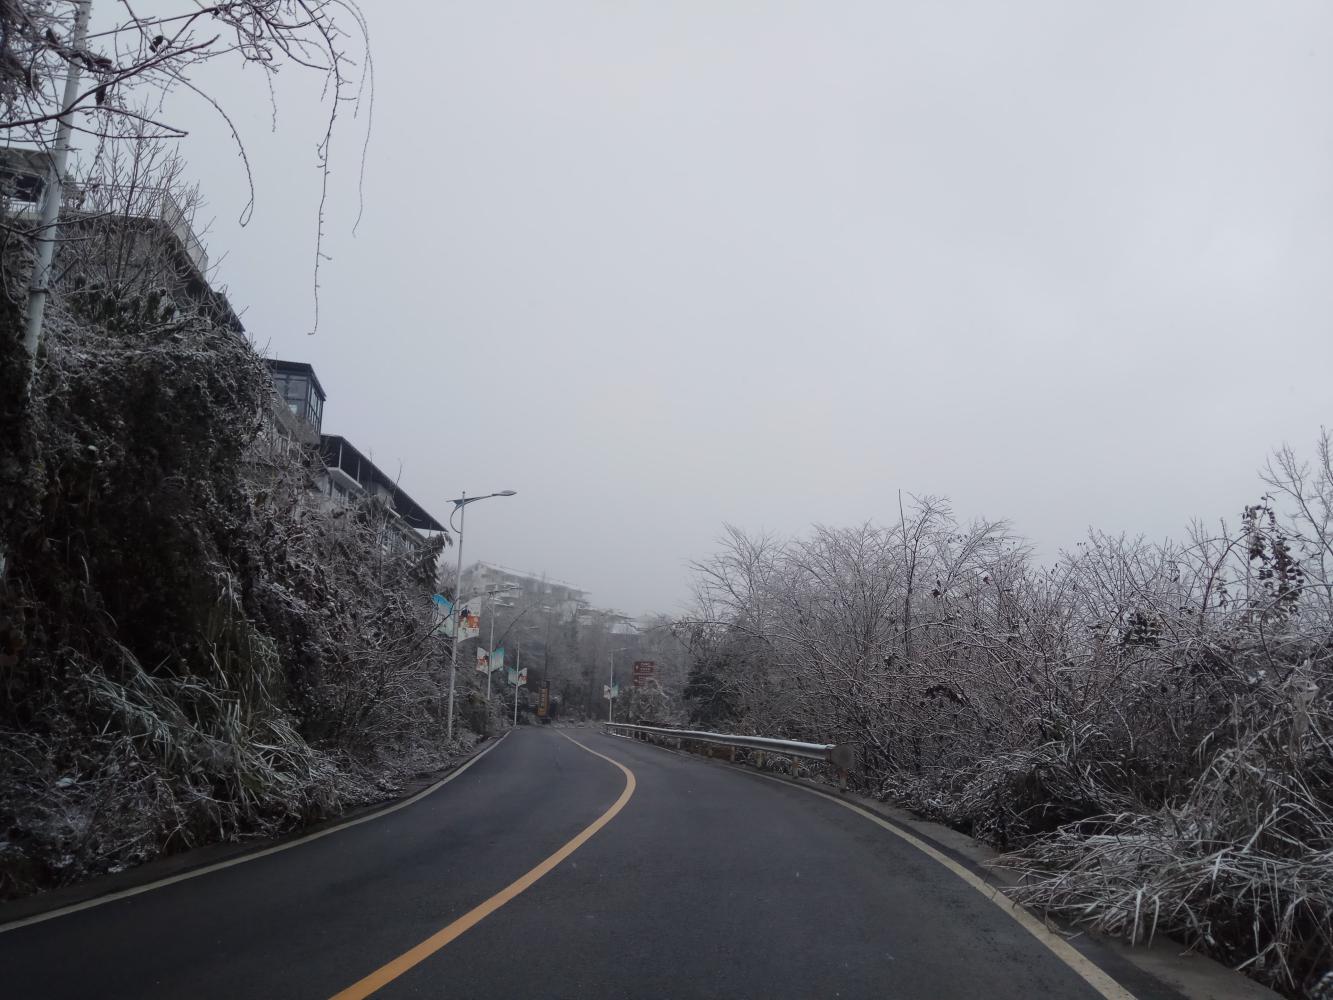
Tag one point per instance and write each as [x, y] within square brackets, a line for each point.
[386, 974]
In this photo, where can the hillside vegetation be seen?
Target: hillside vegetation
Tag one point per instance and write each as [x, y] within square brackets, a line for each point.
[191, 647]
[1147, 729]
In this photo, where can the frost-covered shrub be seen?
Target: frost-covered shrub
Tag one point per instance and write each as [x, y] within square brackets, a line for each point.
[188, 651]
[1146, 727]
[648, 703]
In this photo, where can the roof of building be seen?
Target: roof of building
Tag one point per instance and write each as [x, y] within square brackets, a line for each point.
[298, 368]
[339, 453]
[540, 578]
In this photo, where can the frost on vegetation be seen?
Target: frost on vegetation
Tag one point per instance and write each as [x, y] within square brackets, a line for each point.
[192, 647]
[1146, 729]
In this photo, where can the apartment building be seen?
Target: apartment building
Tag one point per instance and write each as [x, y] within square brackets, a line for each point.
[344, 474]
[141, 229]
[563, 601]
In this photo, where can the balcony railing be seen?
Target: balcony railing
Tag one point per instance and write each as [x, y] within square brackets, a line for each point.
[118, 201]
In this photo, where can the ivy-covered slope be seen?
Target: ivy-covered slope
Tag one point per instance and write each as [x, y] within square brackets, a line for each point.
[192, 646]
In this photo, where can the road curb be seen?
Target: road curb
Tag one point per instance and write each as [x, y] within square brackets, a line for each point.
[177, 867]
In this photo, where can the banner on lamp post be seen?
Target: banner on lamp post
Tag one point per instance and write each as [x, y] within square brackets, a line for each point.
[444, 622]
[469, 625]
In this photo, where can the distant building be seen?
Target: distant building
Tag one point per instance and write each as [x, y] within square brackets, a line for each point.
[563, 601]
[612, 621]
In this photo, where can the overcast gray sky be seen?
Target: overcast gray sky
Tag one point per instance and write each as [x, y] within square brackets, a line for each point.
[661, 265]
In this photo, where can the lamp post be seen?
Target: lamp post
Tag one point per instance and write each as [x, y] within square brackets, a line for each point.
[460, 506]
[491, 649]
[518, 671]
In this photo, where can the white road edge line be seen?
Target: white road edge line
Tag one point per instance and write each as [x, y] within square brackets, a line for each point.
[1088, 970]
[111, 897]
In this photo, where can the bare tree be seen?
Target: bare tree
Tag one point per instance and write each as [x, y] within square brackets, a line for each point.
[113, 84]
[130, 67]
[1146, 725]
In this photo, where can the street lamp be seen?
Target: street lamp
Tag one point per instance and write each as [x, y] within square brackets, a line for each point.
[460, 508]
[491, 649]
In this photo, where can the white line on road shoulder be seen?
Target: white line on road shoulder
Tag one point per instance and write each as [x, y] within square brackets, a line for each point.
[111, 897]
[1090, 972]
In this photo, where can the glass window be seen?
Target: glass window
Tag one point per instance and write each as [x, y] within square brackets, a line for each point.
[21, 186]
[298, 392]
[296, 387]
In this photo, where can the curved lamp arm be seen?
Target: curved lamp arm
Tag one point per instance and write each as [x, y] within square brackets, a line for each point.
[461, 502]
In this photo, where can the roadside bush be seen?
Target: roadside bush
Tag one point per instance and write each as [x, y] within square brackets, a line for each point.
[1145, 728]
[192, 648]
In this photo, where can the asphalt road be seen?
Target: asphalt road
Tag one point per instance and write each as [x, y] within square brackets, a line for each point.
[710, 882]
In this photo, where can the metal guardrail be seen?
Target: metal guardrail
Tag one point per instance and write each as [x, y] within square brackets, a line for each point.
[840, 755]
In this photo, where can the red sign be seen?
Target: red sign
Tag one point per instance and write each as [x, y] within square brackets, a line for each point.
[643, 672]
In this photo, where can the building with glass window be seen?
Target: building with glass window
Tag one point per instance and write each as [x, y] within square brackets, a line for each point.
[562, 600]
[293, 419]
[300, 399]
[343, 474]
[350, 476]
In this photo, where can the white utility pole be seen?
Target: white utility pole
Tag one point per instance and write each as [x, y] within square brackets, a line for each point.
[518, 669]
[489, 665]
[611, 688]
[40, 285]
[53, 194]
[458, 598]
[460, 508]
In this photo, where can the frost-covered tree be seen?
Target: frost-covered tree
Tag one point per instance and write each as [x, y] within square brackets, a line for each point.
[1147, 725]
[128, 61]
